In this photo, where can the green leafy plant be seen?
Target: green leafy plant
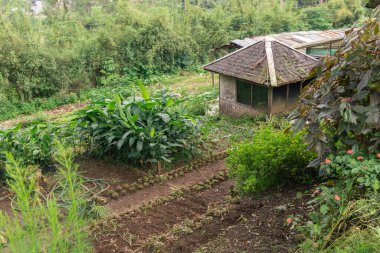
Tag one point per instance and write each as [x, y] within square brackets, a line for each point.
[345, 200]
[143, 130]
[271, 158]
[31, 145]
[36, 225]
[341, 107]
[359, 172]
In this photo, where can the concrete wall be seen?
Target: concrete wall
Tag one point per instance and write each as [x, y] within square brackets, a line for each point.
[227, 100]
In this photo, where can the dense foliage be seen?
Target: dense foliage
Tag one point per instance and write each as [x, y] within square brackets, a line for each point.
[76, 44]
[31, 144]
[271, 158]
[345, 204]
[342, 106]
[341, 110]
[142, 130]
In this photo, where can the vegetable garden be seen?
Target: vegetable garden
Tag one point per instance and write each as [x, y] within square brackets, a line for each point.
[153, 168]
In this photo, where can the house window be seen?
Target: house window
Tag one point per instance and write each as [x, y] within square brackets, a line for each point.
[321, 51]
[243, 94]
[294, 93]
[252, 94]
[260, 97]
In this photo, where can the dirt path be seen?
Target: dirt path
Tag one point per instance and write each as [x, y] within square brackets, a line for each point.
[190, 82]
[48, 114]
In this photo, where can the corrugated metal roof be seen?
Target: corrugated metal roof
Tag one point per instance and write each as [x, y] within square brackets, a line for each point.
[298, 40]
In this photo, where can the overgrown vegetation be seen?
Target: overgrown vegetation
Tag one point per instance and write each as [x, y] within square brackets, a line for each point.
[341, 107]
[57, 57]
[340, 111]
[36, 224]
[73, 45]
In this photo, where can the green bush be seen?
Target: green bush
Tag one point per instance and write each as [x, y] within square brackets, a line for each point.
[142, 130]
[31, 144]
[271, 158]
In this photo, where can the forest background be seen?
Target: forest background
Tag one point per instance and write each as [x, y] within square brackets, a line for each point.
[72, 45]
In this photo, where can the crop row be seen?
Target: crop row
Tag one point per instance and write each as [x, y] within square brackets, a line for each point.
[176, 194]
[151, 180]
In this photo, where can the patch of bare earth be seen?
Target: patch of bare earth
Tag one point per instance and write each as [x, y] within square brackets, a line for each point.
[256, 224]
[129, 235]
[253, 224]
[111, 172]
[5, 199]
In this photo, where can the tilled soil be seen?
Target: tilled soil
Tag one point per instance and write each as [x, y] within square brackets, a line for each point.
[153, 192]
[141, 226]
[111, 172]
[5, 198]
[257, 224]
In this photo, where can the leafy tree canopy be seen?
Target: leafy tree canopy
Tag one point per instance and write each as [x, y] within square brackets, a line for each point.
[342, 106]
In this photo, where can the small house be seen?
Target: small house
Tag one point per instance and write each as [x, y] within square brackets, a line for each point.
[264, 77]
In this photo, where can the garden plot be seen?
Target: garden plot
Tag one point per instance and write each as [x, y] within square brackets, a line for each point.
[201, 216]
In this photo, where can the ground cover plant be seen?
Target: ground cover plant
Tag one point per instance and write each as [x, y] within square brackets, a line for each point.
[345, 205]
[145, 130]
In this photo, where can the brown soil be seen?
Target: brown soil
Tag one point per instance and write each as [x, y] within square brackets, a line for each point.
[153, 192]
[129, 234]
[5, 201]
[256, 225]
[113, 173]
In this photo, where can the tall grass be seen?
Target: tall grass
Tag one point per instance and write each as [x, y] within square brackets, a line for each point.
[39, 225]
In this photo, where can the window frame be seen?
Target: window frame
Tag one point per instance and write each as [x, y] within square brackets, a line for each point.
[267, 109]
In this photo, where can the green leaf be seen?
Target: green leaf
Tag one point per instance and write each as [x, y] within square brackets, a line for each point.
[165, 117]
[144, 92]
[152, 132]
[324, 209]
[139, 146]
[361, 180]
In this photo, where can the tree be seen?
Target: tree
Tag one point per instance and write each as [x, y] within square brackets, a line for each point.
[342, 105]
